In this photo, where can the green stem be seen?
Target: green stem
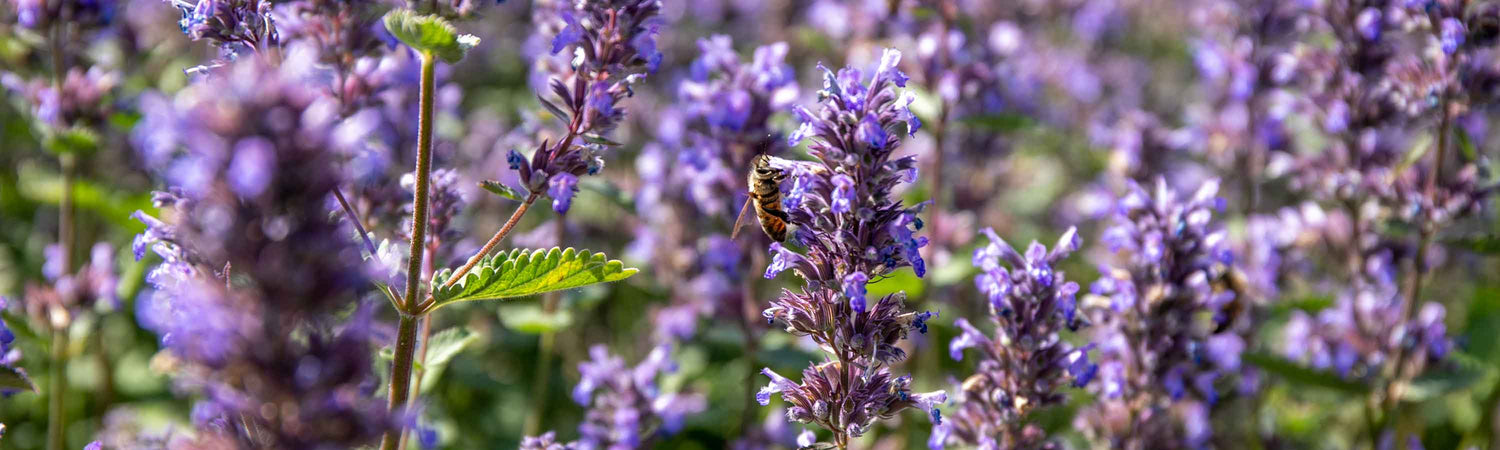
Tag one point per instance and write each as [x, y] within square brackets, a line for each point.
[406, 346]
[544, 350]
[406, 338]
[57, 384]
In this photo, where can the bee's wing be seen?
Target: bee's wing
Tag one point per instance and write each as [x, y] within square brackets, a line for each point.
[741, 219]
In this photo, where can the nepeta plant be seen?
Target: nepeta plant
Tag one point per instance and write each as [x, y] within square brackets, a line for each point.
[626, 406]
[254, 265]
[1026, 364]
[1161, 311]
[854, 233]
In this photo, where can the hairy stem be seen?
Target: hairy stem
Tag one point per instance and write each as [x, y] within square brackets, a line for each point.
[406, 346]
[407, 332]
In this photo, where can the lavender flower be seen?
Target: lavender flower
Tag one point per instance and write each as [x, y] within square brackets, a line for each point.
[88, 14]
[232, 25]
[868, 238]
[1158, 358]
[693, 179]
[1026, 364]
[1365, 330]
[612, 41]
[626, 408]
[10, 355]
[81, 101]
[255, 265]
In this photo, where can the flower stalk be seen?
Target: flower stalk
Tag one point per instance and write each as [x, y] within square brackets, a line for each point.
[406, 337]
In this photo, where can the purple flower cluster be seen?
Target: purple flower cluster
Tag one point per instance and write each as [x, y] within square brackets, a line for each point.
[613, 42]
[83, 14]
[1162, 311]
[626, 406]
[254, 263]
[1027, 363]
[854, 233]
[83, 99]
[720, 120]
[10, 355]
[1365, 328]
[231, 25]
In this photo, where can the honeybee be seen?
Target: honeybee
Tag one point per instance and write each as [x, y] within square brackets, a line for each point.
[764, 182]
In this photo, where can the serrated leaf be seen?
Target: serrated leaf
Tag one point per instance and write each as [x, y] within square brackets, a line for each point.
[1297, 374]
[429, 33]
[15, 378]
[531, 319]
[441, 348]
[521, 273]
[999, 123]
[78, 140]
[500, 189]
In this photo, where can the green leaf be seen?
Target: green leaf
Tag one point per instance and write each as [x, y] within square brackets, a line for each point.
[1482, 244]
[500, 189]
[15, 378]
[1297, 374]
[78, 140]
[521, 273]
[20, 327]
[556, 112]
[429, 33]
[1417, 151]
[609, 191]
[999, 123]
[441, 348]
[1460, 372]
[1466, 144]
[530, 319]
[601, 140]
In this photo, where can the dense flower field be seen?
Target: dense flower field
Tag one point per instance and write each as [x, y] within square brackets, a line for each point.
[888, 224]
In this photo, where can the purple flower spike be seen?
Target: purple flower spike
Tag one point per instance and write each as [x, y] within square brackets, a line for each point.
[561, 188]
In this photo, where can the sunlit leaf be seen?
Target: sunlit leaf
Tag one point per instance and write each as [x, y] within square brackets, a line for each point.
[521, 273]
[500, 189]
[429, 33]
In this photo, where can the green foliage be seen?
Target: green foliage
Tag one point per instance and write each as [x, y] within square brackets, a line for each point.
[430, 34]
[999, 123]
[1300, 375]
[531, 319]
[441, 348]
[521, 273]
[500, 189]
[13, 378]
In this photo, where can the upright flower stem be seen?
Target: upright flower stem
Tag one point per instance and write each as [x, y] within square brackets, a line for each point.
[544, 350]
[58, 318]
[406, 336]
